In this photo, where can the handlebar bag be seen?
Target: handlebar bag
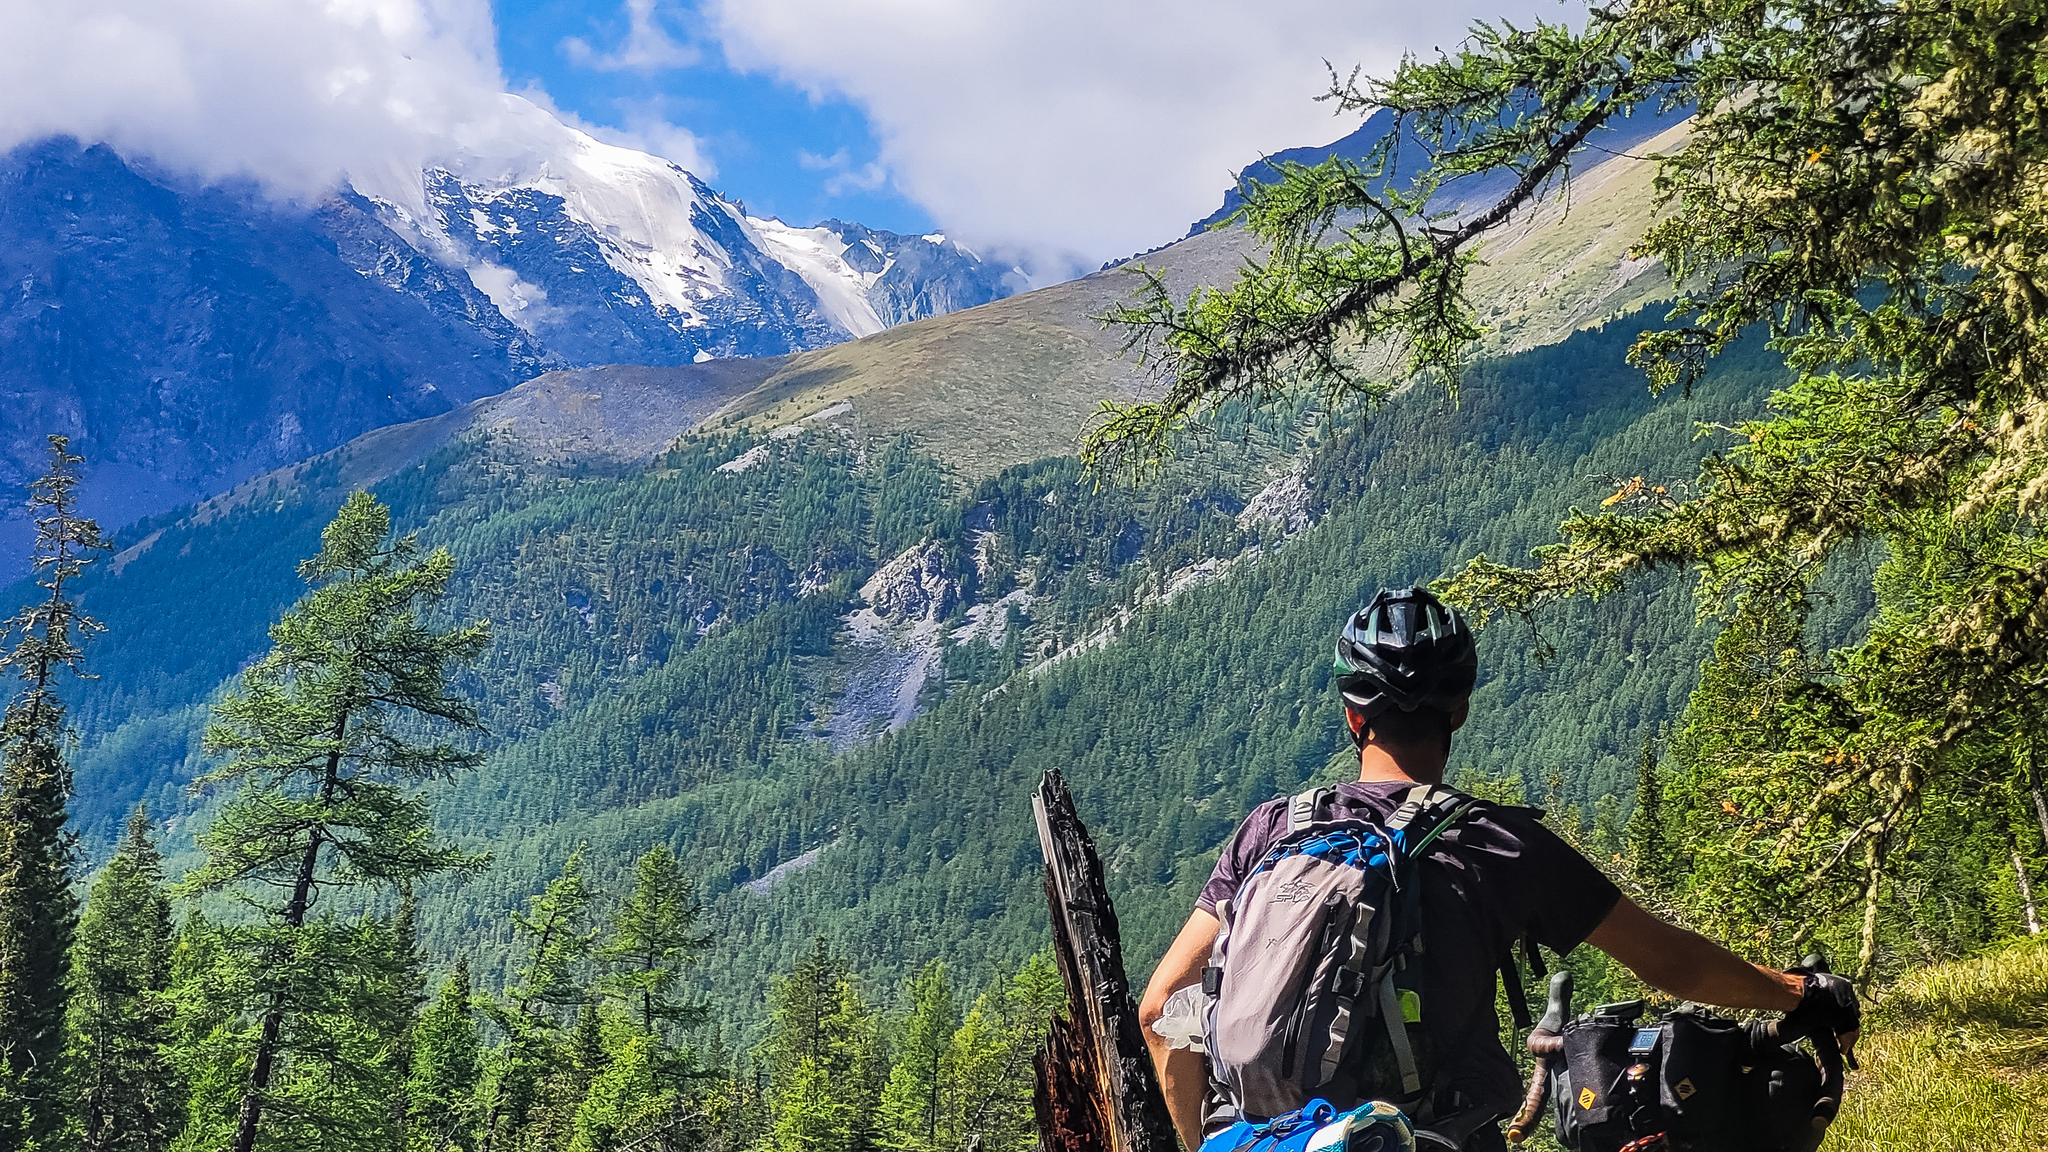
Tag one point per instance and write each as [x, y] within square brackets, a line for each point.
[1779, 1091]
[1594, 1108]
[1708, 1084]
[1704, 1064]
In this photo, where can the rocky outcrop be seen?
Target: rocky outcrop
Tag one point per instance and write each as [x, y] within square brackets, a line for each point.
[914, 586]
[1284, 504]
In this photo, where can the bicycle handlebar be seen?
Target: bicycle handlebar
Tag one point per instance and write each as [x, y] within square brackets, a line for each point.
[1547, 1043]
[1829, 1051]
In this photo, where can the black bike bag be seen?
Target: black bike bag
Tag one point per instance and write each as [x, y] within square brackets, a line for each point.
[1705, 1083]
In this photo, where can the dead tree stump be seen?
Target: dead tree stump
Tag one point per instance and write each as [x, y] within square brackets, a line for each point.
[1095, 1091]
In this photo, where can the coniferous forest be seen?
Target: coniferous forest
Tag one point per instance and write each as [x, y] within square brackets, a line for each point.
[526, 826]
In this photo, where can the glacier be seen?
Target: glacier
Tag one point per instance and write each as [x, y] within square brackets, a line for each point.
[608, 254]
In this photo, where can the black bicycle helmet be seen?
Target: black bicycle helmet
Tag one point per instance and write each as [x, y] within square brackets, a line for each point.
[1405, 650]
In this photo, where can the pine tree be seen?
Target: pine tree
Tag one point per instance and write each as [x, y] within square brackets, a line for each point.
[812, 1113]
[627, 1104]
[1606, 840]
[558, 939]
[130, 1098]
[587, 1056]
[652, 938]
[992, 1057]
[917, 1101]
[555, 1117]
[447, 1060]
[324, 770]
[824, 1058]
[38, 913]
[400, 1007]
[1649, 849]
[340, 1087]
[209, 1049]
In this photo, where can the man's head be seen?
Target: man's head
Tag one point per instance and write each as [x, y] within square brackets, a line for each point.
[1405, 667]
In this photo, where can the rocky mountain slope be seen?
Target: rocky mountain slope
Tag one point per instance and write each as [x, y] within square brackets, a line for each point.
[1008, 382]
[189, 337]
[810, 645]
[1620, 136]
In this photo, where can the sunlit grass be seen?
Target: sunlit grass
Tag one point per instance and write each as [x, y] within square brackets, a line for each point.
[1956, 1057]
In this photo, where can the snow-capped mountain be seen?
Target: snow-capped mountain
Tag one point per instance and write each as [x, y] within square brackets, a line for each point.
[187, 337]
[609, 255]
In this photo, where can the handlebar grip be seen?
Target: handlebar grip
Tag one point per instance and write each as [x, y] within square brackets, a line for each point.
[1829, 1052]
[1525, 1121]
[1547, 1043]
[1559, 1007]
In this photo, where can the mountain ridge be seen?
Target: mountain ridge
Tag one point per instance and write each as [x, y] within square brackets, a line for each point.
[187, 337]
[1015, 380]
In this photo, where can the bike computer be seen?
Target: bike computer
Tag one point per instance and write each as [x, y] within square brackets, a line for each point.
[1644, 1043]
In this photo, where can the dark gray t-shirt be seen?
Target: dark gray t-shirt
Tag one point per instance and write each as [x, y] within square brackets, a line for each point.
[1495, 877]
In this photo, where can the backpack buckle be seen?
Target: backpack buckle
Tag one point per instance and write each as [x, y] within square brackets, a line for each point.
[1212, 981]
[1348, 983]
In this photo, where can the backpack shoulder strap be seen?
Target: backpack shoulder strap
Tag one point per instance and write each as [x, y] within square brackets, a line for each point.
[1425, 812]
[1302, 809]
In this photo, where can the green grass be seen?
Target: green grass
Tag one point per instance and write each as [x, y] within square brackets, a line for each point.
[1955, 1057]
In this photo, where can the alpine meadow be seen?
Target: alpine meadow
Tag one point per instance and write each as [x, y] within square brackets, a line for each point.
[634, 757]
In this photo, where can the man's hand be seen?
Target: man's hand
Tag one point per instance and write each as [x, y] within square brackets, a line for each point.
[1827, 1006]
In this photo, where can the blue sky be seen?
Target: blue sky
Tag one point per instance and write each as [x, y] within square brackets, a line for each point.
[772, 145]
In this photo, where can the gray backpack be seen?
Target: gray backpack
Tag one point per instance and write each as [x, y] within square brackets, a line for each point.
[1311, 993]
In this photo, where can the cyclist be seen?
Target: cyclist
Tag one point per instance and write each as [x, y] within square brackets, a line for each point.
[1406, 666]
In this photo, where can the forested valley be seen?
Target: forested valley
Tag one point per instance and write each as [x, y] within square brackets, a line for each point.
[623, 857]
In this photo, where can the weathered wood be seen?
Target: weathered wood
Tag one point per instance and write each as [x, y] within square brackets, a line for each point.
[1096, 1091]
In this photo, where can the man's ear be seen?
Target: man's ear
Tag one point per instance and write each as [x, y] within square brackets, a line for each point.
[1461, 713]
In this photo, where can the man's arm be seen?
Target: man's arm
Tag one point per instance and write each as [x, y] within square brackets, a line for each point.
[1183, 1076]
[1692, 967]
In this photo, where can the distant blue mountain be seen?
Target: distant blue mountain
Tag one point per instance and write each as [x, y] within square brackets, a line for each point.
[1617, 135]
[186, 338]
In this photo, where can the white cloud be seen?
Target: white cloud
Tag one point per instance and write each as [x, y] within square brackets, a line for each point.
[645, 127]
[294, 93]
[647, 48]
[299, 95]
[845, 176]
[1078, 130]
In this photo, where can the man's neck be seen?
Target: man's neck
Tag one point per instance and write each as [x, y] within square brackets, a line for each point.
[1415, 763]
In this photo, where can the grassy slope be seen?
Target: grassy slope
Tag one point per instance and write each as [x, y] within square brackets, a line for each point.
[1955, 1060]
[1017, 380]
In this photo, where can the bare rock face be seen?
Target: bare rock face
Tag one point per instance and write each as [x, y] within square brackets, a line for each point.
[913, 586]
[1285, 503]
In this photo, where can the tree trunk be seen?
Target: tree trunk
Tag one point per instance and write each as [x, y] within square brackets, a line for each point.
[2041, 813]
[2019, 871]
[273, 1019]
[1095, 1088]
